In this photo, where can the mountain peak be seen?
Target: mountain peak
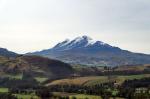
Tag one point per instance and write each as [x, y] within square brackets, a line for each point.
[80, 38]
[86, 37]
[79, 42]
[86, 51]
[67, 40]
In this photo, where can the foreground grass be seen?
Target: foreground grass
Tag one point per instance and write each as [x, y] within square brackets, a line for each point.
[3, 90]
[18, 76]
[82, 96]
[23, 96]
[78, 96]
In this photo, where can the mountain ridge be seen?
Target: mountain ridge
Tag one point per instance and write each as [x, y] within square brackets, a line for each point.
[7, 53]
[79, 42]
[86, 51]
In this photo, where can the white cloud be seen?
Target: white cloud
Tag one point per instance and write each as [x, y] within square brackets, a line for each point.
[29, 25]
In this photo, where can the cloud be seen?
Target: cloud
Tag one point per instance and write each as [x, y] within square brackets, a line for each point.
[24, 23]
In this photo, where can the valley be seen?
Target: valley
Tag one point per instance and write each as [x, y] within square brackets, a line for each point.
[95, 70]
[74, 49]
[36, 77]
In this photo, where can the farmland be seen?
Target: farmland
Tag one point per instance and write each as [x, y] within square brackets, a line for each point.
[36, 77]
[80, 96]
[92, 80]
[3, 90]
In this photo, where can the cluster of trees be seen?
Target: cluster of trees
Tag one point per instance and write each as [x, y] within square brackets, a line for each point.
[18, 83]
[44, 93]
[130, 87]
[109, 71]
[136, 83]
[127, 89]
[113, 71]
[100, 89]
[7, 96]
[28, 85]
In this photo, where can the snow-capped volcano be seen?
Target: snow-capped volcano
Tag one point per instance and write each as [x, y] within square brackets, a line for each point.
[79, 42]
[84, 50]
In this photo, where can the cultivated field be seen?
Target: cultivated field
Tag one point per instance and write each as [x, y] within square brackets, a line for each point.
[92, 80]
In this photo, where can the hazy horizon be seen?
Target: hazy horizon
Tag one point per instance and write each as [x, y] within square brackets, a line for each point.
[33, 25]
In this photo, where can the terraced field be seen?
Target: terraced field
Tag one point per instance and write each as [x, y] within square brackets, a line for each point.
[78, 81]
[92, 80]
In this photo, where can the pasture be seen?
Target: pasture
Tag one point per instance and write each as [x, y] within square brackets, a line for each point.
[3, 90]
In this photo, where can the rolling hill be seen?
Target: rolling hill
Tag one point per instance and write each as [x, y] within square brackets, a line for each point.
[35, 66]
[84, 50]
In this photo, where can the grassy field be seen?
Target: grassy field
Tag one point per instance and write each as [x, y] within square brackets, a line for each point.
[79, 96]
[82, 96]
[41, 79]
[14, 76]
[3, 90]
[92, 80]
[78, 81]
[122, 78]
[22, 96]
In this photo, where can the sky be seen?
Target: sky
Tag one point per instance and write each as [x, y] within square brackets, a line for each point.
[33, 25]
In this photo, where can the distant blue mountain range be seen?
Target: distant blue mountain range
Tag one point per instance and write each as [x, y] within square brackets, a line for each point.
[7, 53]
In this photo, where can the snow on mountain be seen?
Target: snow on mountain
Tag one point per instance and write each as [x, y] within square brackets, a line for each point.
[84, 50]
[79, 42]
[63, 43]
